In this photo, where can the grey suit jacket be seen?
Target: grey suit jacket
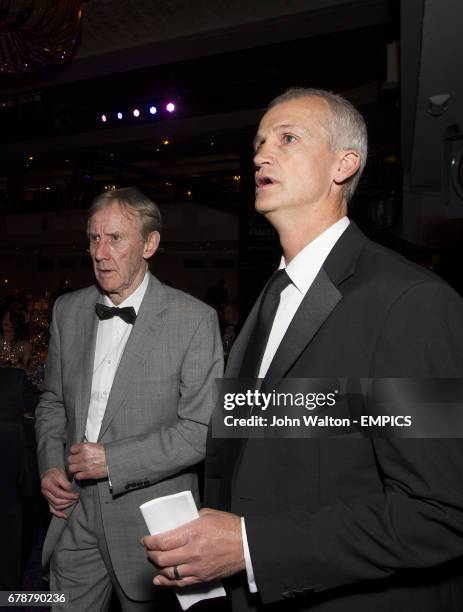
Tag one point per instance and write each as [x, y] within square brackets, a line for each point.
[155, 424]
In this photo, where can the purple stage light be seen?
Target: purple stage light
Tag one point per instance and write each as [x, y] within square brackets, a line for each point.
[103, 118]
[136, 112]
[119, 115]
[170, 107]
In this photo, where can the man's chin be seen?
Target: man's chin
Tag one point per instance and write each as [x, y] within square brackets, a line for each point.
[106, 286]
[264, 207]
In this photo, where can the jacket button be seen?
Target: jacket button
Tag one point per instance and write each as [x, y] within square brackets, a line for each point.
[307, 590]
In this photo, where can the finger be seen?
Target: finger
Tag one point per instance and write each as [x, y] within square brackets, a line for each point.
[77, 467]
[54, 501]
[205, 511]
[167, 540]
[184, 571]
[57, 512]
[85, 475]
[59, 480]
[76, 448]
[166, 582]
[169, 558]
[61, 505]
[59, 494]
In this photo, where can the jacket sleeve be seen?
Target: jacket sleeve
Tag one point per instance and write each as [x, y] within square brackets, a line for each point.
[50, 414]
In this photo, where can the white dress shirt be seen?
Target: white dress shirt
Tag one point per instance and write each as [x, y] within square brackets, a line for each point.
[302, 271]
[112, 336]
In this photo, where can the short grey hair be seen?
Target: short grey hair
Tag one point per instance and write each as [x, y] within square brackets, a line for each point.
[346, 126]
[130, 197]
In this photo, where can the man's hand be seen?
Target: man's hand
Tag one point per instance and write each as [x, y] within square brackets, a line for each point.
[87, 460]
[56, 489]
[209, 547]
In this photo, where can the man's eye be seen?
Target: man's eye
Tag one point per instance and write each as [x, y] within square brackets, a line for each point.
[288, 138]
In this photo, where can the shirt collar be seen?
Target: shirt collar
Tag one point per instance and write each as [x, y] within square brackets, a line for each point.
[135, 298]
[307, 263]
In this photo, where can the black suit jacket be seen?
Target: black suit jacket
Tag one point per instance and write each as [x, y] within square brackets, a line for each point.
[350, 523]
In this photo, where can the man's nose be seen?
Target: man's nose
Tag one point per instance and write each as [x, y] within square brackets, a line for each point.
[101, 250]
[263, 156]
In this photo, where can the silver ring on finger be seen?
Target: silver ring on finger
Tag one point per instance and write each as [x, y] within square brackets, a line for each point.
[176, 573]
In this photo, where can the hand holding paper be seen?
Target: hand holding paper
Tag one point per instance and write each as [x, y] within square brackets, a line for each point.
[205, 549]
[188, 544]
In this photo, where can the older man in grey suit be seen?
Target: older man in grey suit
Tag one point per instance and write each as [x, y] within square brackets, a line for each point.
[124, 415]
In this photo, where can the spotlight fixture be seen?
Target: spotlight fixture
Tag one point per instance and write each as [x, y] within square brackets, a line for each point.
[103, 118]
[153, 110]
[119, 115]
[170, 107]
[136, 112]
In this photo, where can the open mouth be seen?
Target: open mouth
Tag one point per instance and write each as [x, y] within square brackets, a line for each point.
[265, 181]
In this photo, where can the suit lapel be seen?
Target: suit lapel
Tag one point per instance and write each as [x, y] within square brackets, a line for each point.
[318, 303]
[315, 308]
[84, 361]
[137, 349]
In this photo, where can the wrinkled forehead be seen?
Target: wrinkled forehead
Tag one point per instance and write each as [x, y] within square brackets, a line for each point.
[115, 211]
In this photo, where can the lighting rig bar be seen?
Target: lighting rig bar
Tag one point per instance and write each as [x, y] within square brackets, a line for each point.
[141, 112]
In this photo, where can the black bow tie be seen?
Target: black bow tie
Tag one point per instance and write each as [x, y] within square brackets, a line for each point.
[127, 313]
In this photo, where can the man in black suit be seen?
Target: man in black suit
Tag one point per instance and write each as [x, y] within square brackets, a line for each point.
[348, 522]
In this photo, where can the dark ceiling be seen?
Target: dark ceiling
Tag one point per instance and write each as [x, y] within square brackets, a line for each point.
[55, 146]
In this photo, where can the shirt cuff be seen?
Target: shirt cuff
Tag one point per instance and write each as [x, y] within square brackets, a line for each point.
[109, 479]
[247, 559]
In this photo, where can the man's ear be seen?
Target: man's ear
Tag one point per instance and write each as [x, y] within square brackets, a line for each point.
[348, 165]
[151, 245]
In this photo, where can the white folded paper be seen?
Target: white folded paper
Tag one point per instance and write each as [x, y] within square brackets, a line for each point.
[166, 513]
